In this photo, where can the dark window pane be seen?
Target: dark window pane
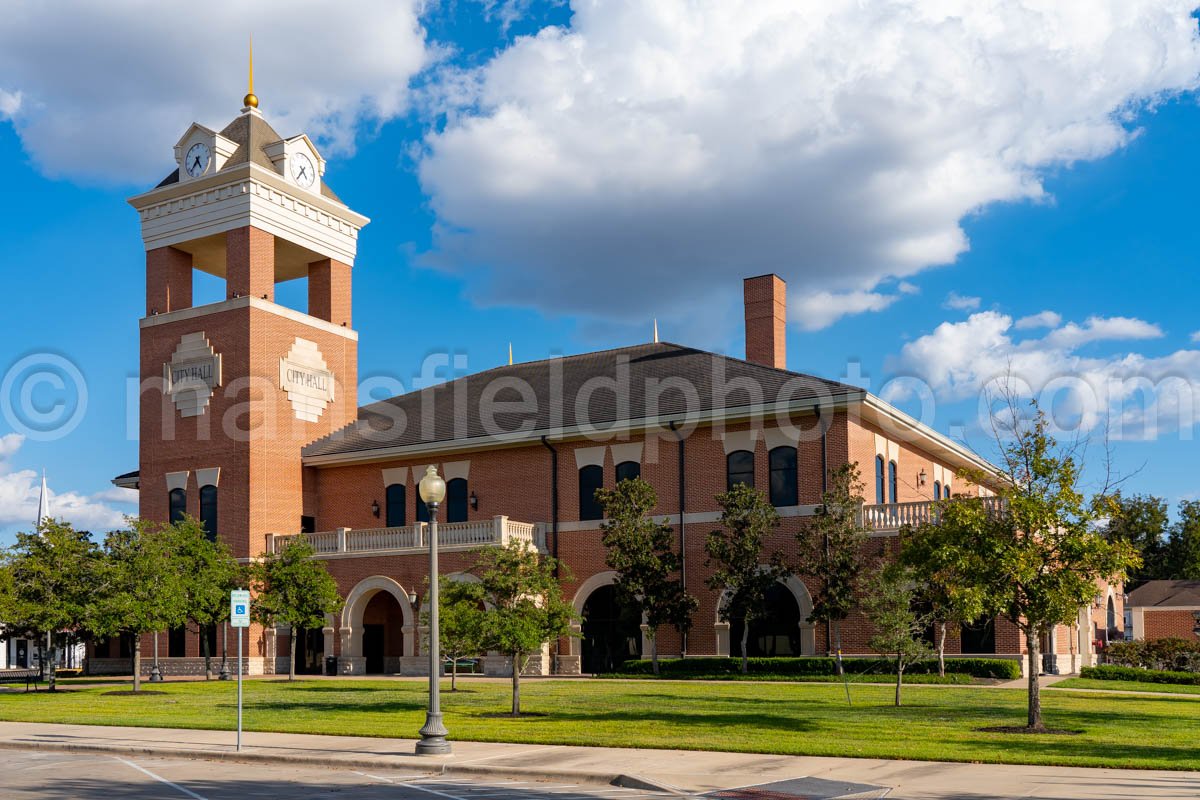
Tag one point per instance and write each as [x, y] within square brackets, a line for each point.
[308, 524]
[177, 642]
[892, 494]
[126, 647]
[628, 470]
[591, 478]
[422, 509]
[979, 636]
[937, 490]
[396, 501]
[879, 497]
[176, 505]
[456, 500]
[739, 468]
[208, 511]
[783, 476]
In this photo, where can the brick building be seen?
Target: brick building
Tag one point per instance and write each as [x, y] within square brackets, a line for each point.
[249, 422]
[1165, 609]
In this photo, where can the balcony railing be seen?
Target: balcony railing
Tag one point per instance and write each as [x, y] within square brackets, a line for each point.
[497, 531]
[893, 516]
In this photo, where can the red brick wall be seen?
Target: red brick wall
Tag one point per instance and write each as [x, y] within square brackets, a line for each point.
[168, 280]
[250, 263]
[766, 320]
[1162, 623]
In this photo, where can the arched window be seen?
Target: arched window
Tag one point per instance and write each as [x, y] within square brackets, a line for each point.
[208, 511]
[628, 470]
[176, 505]
[422, 509]
[1112, 616]
[892, 493]
[591, 478]
[783, 476]
[456, 500]
[946, 491]
[879, 496]
[739, 468]
[937, 490]
[395, 498]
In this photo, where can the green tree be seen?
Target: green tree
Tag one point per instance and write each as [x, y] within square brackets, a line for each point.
[938, 563]
[831, 547]
[642, 552]
[1039, 557]
[460, 622]
[525, 605]
[1141, 520]
[1183, 547]
[889, 597]
[140, 588]
[209, 572]
[735, 554]
[52, 574]
[292, 588]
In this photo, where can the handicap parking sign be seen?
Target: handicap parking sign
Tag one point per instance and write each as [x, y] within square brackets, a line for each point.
[239, 608]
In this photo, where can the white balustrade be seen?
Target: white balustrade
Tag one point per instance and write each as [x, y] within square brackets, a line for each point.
[893, 516]
[412, 538]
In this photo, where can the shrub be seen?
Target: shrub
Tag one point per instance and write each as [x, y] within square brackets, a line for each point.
[817, 665]
[1109, 672]
[1172, 655]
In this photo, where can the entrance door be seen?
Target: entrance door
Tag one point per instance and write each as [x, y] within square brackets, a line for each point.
[612, 633]
[373, 640]
[310, 651]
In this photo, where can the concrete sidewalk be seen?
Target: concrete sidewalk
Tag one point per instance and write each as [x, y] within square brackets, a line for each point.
[687, 772]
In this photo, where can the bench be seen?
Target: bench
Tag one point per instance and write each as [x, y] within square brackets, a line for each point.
[27, 676]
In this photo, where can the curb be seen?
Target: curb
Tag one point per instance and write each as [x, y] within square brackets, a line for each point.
[414, 763]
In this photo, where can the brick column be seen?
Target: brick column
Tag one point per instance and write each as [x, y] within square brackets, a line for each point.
[329, 291]
[168, 280]
[766, 320]
[250, 263]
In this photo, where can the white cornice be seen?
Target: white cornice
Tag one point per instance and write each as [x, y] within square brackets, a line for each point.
[896, 422]
[248, 302]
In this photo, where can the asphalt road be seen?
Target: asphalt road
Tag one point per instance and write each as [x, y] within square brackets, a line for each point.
[65, 776]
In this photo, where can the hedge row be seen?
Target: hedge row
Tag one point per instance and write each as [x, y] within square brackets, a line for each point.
[1110, 672]
[817, 665]
[1170, 654]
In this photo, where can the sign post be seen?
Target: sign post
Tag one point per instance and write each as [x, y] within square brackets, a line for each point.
[239, 617]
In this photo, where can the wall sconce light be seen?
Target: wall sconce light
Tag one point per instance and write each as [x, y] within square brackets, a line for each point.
[375, 508]
[474, 501]
[412, 598]
[921, 477]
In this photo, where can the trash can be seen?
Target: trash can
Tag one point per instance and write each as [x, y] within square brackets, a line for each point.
[331, 665]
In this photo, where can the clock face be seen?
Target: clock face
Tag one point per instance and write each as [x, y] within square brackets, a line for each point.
[304, 172]
[196, 161]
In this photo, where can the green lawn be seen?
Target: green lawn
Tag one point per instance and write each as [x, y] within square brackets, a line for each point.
[939, 723]
[1127, 686]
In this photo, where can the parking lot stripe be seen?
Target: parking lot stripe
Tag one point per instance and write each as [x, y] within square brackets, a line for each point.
[175, 786]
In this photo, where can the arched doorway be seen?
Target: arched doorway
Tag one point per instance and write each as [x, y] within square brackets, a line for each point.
[612, 631]
[382, 634]
[776, 633]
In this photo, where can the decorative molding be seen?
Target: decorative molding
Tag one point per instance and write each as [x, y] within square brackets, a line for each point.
[456, 469]
[627, 452]
[307, 381]
[780, 437]
[208, 477]
[192, 373]
[258, 303]
[739, 440]
[393, 475]
[177, 480]
[589, 456]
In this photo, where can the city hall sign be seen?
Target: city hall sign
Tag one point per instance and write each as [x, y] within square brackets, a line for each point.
[305, 379]
[192, 373]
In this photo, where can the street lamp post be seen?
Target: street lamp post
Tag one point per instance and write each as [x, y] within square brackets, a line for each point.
[155, 672]
[433, 734]
[225, 673]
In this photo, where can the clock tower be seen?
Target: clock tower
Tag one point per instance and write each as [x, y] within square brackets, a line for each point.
[232, 390]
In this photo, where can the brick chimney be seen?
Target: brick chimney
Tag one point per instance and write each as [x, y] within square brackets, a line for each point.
[766, 320]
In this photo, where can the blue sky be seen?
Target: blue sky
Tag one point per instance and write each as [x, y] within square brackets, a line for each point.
[557, 176]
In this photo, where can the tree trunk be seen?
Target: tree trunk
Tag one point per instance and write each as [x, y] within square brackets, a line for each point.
[137, 662]
[50, 677]
[941, 649]
[899, 678]
[454, 673]
[837, 639]
[654, 652]
[516, 685]
[745, 639]
[292, 656]
[204, 649]
[1035, 697]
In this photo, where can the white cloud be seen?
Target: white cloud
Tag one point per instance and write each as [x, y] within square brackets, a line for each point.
[818, 310]
[1042, 319]
[836, 143]
[1142, 396]
[904, 287]
[1196, 336]
[20, 490]
[104, 89]
[958, 302]
[10, 104]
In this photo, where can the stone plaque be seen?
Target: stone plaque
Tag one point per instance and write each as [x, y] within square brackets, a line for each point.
[308, 383]
[192, 373]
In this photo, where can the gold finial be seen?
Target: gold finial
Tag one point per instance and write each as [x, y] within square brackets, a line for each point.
[251, 99]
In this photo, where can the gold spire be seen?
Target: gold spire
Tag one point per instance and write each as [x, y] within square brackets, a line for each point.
[251, 100]
[510, 354]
